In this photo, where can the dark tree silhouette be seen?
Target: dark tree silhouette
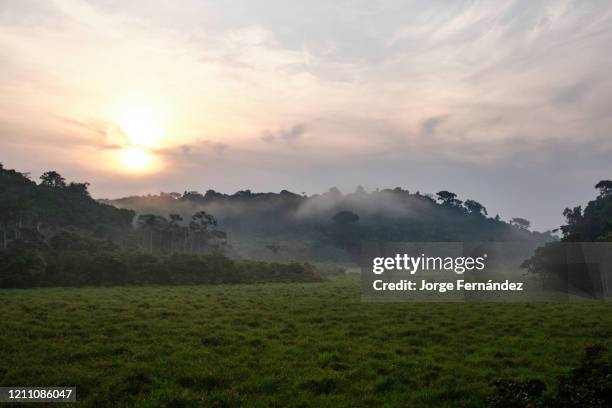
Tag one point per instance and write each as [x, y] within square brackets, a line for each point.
[474, 207]
[174, 227]
[199, 230]
[521, 223]
[175, 219]
[52, 179]
[345, 217]
[604, 187]
[150, 223]
[79, 188]
[449, 199]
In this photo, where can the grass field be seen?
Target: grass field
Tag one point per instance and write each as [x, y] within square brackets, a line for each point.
[282, 345]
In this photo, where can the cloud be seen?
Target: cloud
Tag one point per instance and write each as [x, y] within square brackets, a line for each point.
[473, 83]
[193, 150]
[430, 125]
[290, 134]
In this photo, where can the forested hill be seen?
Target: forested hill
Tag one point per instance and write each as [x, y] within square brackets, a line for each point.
[28, 208]
[279, 226]
[54, 234]
[269, 225]
[595, 222]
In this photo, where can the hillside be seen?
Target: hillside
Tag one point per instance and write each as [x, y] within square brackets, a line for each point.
[27, 208]
[332, 225]
[54, 234]
[595, 222]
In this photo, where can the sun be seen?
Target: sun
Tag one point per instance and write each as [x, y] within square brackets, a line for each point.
[141, 124]
[135, 158]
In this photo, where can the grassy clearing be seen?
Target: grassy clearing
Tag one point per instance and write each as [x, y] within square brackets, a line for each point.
[296, 344]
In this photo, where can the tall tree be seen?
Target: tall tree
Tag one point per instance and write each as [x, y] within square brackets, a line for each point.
[175, 226]
[53, 179]
[199, 230]
[12, 212]
[449, 199]
[474, 207]
[604, 187]
[521, 223]
[150, 223]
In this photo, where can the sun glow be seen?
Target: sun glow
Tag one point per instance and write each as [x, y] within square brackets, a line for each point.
[135, 158]
[142, 126]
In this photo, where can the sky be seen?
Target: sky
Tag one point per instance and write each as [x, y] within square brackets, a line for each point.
[505, 102]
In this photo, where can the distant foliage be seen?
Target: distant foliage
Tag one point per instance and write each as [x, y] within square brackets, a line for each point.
[31, 212]
[521, 223]
[337, 220]
[594, 224]
[34, 213]
[71, 260]
[55, 234]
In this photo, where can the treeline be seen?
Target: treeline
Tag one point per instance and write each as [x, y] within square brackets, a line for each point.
[442, 217]
[71, 260]
[53, 203]
[54, 234]
[593, 224]
[33, 213]
[173, 234]
[30, 211]
[332, 225]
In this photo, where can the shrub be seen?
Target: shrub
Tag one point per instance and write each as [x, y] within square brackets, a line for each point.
[587, 385]
[87, 263]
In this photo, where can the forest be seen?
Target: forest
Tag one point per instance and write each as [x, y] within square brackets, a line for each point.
[55, 234]
[591, 225]
[331, 227]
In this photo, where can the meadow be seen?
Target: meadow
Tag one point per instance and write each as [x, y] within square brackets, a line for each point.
[283, 344]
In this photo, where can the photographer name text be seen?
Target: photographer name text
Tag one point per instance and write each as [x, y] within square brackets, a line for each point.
[442, 287]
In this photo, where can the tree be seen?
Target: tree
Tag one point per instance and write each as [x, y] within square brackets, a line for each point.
[79, 188]
[174, 226]
[345, 217]
[521, 223]
[192, 196]
[12, 210]
[345, 230]
[213, 195]
[574, 219]
[474, 207]
[175, 219]
[53, 179]
[204, 219]
[449, 199]
[604, 187]
[199, 229]
[151, 222]
[21, 268]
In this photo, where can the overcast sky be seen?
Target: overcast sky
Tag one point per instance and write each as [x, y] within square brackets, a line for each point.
[505, 102]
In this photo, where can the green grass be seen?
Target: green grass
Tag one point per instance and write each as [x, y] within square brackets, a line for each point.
[282, 345]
